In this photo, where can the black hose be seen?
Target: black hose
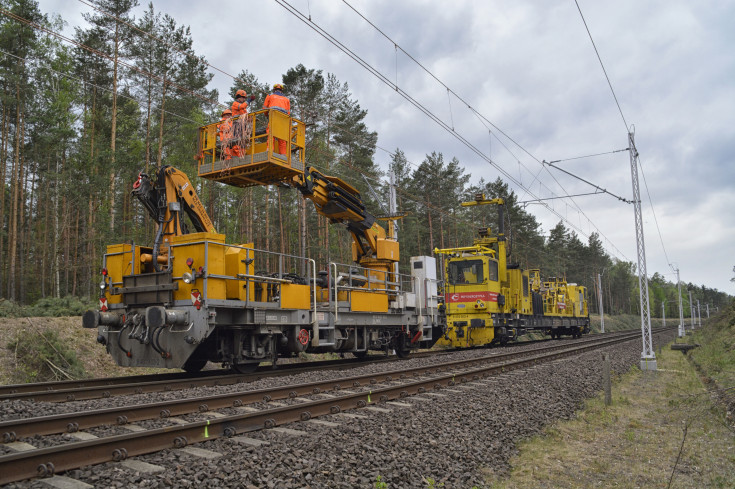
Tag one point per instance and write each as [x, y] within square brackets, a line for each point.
[157, 337]
[154, 342]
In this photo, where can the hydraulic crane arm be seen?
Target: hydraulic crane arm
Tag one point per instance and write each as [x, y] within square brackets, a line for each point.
[340, 202]
[166, 199]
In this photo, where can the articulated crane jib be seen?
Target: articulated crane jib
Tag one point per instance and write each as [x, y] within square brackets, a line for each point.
[191, 297]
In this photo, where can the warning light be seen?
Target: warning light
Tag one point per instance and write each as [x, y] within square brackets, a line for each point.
[189, 262]
[104, 272]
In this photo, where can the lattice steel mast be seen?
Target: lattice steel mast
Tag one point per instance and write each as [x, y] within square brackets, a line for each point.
[648, 357]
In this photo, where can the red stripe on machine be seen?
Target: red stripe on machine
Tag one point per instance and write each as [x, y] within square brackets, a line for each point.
[473, 296]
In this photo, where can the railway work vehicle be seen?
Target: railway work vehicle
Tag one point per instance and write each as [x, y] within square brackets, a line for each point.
[489, 301]
[191, 297]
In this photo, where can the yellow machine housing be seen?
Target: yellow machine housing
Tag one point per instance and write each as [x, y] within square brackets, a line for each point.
[489, 301]
[193, 298]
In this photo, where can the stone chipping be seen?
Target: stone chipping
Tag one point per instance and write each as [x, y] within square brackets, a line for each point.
[453, 438]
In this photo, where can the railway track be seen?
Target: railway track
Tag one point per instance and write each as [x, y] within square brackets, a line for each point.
[253, 410]
[122, 386]
[82, 390]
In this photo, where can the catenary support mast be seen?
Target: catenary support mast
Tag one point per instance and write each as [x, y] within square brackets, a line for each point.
[599, 296]
[648, 357]
[681, 307]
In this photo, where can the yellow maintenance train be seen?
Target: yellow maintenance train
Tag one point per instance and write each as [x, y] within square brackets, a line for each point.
[191, 297]
[488, 301]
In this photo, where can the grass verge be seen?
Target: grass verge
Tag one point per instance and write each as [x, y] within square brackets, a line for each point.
[662, 430]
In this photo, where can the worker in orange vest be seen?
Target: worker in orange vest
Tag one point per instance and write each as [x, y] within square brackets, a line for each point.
[239, 108]
[224, 131]
[240, 105]
[278, 101]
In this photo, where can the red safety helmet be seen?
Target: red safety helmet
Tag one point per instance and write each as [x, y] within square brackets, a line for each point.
[226, 112]
[241, 93]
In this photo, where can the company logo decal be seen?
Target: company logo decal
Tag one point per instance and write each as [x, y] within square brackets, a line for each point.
[473, 296]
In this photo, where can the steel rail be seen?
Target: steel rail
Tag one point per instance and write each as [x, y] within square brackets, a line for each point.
[74, 390]
[47, 461]
[79, 390]
[97, 388]
[13, 430]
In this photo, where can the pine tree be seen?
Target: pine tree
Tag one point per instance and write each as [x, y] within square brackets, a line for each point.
[112, 20]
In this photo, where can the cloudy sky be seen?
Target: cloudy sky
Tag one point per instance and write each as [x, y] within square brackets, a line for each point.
[531, 70]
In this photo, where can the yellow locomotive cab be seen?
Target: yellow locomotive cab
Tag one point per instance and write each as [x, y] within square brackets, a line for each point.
[489, 301]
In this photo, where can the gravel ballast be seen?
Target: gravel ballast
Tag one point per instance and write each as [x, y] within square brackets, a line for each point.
[453, 438]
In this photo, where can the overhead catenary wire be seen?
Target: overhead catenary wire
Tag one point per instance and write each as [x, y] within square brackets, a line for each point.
[590, 156]
[405, 95]
[627, 127]
[655, 219]
[526, 190]
[602, 190]
[431, 115]
[449, 91]
[193, 93]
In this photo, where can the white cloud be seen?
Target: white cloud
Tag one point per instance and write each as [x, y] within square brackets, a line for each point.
[531, 69]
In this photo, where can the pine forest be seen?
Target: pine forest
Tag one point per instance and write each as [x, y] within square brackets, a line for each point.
[81, 116]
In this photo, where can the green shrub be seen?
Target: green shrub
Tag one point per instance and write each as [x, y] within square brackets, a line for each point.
[10, 309]
[53, 307]
[42, 356]
[47, 307]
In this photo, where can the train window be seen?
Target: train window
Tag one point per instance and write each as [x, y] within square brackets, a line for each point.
[492, 270]
[467, 272]
[525, 286]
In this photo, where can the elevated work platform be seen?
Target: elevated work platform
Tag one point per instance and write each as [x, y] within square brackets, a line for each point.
[255, 157]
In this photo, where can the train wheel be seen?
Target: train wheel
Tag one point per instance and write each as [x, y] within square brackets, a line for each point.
[245, 368]
[360, 354]
[194, 365]
[402, 349]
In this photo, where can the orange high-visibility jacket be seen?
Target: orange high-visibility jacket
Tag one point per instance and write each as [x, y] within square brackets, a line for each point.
[239, 108]
[225, 129]
[278, 101]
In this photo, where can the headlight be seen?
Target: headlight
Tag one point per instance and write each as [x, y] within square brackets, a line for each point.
[103, 285]
[187, 278]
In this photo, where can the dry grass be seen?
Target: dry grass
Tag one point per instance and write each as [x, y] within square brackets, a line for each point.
[636, 441]
[97, 363]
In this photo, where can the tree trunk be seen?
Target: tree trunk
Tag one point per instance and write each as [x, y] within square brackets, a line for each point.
[148, 126]
[431, 228]
[113, 135]
[302, 229]
[441, 232]
[91, 255]
[267, 229]
[160, 128]
[44, 232]
[75, 259]
[23, 177]
[55, 244]
[14, 202]
[4, 159]
[280, 222]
